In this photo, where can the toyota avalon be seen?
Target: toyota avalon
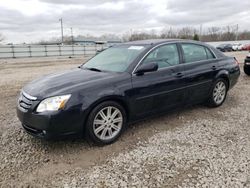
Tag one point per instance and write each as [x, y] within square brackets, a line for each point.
[123, 84]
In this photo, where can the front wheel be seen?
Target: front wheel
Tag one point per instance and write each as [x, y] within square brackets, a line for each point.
[218, 94]
[106, 123]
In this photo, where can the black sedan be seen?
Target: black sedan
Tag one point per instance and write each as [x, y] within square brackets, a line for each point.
[124, 84]
[247, 65]
[225, 47]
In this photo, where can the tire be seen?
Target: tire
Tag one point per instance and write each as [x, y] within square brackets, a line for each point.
[247, 70]
[105, 123]
[218, 94]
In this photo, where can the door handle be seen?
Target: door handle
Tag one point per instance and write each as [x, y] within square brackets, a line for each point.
[214, 67]
[179, 75]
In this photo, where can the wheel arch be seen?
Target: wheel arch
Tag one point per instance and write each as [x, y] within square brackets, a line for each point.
[119, 99]
[224, 75]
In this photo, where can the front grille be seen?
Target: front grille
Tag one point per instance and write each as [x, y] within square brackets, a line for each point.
[25, 101]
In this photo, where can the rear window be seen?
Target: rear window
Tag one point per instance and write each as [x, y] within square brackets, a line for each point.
[193, 53]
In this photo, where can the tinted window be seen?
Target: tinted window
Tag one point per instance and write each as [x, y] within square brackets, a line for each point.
[193, 52]
[209, 54]
[164, 56]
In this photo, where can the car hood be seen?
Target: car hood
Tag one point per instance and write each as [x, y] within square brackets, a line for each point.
[65, 82]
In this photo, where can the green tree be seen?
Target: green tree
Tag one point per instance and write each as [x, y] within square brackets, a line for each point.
[196, 37]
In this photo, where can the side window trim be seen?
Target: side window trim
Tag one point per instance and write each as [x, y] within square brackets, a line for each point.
[206, 53]
[209, 50]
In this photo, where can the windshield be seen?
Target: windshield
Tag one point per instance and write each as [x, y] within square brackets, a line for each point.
[115, 59]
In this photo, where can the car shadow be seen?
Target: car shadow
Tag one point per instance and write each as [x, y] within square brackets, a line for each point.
[134, 132]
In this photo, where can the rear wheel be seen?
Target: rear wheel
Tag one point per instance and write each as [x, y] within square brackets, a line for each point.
[106, 123]
[247, 70]
[219, 93]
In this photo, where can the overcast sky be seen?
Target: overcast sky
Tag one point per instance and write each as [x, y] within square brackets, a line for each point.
[33, 20]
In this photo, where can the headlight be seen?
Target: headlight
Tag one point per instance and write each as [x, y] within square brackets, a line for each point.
[53, 103]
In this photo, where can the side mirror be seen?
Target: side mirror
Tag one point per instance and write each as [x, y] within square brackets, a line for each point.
[99, 51]
[149, 67]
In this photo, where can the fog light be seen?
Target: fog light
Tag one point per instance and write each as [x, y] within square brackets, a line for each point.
[44, 132]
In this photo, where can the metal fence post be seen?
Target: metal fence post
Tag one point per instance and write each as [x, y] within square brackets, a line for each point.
[60, 50]
[13, 51]
[30, 51]
[73, 52]
[84, 50]
[46, 51]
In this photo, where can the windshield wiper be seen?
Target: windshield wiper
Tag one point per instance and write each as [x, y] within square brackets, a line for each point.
[94, 69]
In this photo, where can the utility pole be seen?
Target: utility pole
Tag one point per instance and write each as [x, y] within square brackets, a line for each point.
[72, 37]
[237, 31]
[61, 20]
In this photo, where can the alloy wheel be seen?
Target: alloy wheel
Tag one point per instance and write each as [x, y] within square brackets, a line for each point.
[108, 123]
[219, 92]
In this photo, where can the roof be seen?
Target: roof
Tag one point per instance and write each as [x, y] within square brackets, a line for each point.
[155, 42]
[151, 41]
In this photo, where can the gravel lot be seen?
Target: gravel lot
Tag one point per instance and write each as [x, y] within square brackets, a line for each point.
[194, 147]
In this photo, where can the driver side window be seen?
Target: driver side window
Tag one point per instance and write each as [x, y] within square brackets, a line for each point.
[164, 56]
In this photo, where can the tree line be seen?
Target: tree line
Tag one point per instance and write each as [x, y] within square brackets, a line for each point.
[228, 33]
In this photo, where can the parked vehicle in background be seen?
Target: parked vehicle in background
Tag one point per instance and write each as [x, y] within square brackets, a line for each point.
[225, 47]
[124, 84]
[246, 47]
[237, 47]
[247, 65]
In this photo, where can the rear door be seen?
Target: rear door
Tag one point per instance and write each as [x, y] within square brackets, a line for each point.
[201, 67]
[163, 89]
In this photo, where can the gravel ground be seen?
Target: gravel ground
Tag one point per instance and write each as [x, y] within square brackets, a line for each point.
[194, 147]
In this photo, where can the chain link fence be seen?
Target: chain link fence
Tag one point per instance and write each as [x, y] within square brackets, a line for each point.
[21, 51]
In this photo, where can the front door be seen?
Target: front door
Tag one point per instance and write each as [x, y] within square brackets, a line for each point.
[160, 90]
[200, 67]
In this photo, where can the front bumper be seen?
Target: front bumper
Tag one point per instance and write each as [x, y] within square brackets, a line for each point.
[51, 125]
